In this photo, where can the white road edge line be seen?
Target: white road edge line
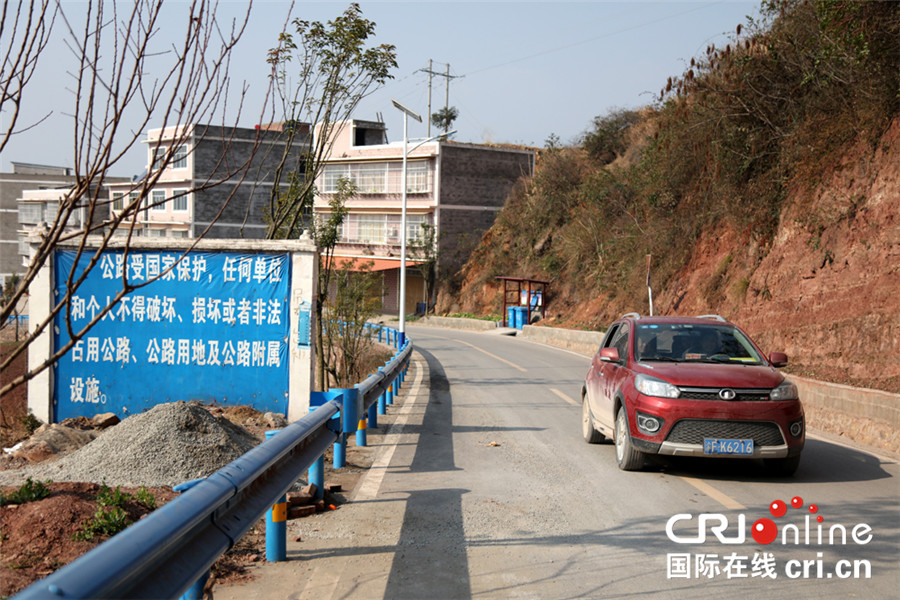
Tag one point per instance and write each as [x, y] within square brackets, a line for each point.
[368, 488]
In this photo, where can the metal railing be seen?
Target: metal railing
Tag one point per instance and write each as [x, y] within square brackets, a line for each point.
[163, 554]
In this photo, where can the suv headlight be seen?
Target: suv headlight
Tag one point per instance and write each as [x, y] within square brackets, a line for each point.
[785, 391]
[651, 386]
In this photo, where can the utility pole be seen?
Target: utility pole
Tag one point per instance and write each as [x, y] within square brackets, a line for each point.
[431, 72]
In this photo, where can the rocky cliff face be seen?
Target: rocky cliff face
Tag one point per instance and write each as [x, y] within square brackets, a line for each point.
[825, 288]
[828, 290]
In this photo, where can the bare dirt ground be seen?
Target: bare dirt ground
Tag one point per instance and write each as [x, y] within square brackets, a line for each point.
[37, 538]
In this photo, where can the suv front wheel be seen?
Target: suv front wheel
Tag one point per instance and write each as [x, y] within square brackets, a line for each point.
[627, 457]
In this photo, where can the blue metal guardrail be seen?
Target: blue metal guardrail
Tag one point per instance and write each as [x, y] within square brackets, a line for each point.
[163, 554]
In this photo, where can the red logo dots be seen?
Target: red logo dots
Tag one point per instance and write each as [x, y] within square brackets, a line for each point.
[764, 531]
[813, 508]
[819, 518]
[796, 501]
[778, 508]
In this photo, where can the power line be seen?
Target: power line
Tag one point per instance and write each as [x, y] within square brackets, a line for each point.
[431, 72]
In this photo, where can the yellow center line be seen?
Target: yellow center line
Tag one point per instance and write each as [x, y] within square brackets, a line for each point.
[723, 499]
[503, 360]
[564, 397]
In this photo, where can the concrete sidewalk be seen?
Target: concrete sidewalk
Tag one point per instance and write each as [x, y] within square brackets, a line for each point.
[321, 547]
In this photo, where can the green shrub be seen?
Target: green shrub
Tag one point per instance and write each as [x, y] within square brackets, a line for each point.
[145, 498]
[112, 498]
[105, 522]
[29, 492]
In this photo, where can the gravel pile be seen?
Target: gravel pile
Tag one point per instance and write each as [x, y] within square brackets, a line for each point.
[167, 445]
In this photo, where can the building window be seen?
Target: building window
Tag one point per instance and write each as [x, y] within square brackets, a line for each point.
[370, 229]
[370, 179]
[416, 177]
[381, 229]
[380, 177]
[31, 214]
[179, 159]
[180, 200]
[158, 200]
[414, 231]
[118, 201]
[331, 174]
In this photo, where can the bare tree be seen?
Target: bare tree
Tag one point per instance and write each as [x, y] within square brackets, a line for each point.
[27, 28]
[122, 74]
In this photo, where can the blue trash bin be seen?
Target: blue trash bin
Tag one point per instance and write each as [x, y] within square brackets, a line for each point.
[510, 316]
[521, 316]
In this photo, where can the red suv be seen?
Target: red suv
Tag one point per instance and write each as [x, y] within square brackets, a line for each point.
[690, 386]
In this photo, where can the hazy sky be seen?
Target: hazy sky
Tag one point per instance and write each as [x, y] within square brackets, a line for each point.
[523, 70]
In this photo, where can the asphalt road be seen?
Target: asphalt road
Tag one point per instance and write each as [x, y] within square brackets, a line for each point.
[482, 487]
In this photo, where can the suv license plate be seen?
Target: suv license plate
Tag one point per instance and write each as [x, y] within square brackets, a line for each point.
[732, 447]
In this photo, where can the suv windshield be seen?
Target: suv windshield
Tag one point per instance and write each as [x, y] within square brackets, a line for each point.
[682, 342]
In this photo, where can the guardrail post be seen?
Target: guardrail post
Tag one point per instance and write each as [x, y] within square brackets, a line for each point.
[195, 592]
[373, 415]
[276, 524]
[361, 433]
[382, 401]
[316, 471]
[349, 422]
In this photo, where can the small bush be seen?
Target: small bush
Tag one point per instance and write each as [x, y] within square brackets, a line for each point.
[105, 522]
[30, 423]
[112, 498]
[29, 492]
[145, 498]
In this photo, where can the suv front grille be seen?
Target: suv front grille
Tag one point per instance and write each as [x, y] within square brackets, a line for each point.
[745, 395]
[693, 431]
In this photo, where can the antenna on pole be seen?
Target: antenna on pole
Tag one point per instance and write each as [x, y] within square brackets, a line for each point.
[649, 287]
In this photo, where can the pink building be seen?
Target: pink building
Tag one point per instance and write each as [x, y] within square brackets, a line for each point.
[456, 188]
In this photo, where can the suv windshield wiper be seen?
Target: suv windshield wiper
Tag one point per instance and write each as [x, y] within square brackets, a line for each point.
[658, 359]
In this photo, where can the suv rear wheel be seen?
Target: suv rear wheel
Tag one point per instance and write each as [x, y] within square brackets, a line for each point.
[627, 457]
[591, 435]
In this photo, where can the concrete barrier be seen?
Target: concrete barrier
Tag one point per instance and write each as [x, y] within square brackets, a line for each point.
[864, 415]
[583, 342]
[458, 323]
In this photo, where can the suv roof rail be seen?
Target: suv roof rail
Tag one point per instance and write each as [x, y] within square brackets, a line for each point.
[716, 317]
[631, 314]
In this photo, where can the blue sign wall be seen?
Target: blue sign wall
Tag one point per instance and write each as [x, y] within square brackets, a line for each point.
[214, 327]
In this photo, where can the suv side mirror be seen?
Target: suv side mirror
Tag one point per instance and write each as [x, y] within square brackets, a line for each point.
[609, 354]
[778, 359]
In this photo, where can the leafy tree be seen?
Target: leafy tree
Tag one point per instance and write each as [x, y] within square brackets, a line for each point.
[444, 118]
[425, 252]
[327, 232]
[320, 73]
